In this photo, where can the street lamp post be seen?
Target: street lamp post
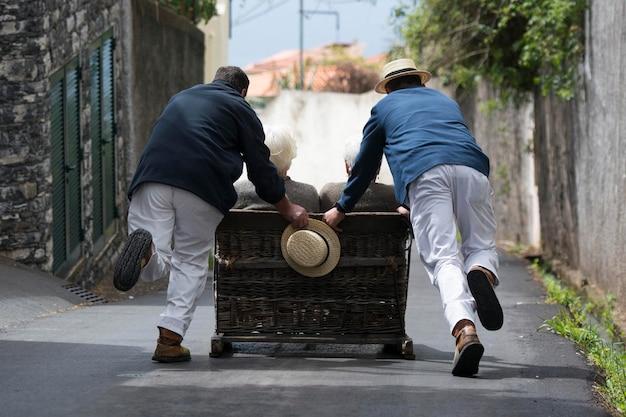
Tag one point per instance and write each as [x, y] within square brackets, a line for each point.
[302, 15]
[301, 44]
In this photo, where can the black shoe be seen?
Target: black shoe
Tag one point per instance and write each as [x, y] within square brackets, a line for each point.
[487, 304]
[138, 247]
[468, 352]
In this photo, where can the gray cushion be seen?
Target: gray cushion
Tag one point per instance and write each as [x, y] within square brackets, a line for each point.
[300, 193]
[377, 197]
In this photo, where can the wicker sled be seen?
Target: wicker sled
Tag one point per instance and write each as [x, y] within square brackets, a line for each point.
[259, 298]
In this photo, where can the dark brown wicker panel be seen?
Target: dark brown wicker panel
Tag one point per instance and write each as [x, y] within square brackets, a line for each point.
[257, 294]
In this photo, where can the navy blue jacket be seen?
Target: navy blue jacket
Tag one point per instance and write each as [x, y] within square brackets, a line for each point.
[417, 129]
[199, 144]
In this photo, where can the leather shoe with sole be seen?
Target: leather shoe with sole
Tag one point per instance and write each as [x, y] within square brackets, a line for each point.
[168, 348]
[468, 352]
[134, 257]
[481, 281]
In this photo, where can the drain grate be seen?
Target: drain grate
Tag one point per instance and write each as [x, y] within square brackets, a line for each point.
[88, 296]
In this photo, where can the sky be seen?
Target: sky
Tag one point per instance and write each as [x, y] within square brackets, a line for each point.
[264, 27]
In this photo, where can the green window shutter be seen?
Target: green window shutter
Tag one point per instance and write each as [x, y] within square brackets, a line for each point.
[95, 95]
[108, 133]
[57, 162]
[73, 157]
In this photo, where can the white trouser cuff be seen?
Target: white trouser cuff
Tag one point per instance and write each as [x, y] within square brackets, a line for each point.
[173, 324]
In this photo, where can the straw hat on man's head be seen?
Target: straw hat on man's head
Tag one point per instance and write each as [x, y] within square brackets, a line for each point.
[313, 251]
[400, 68]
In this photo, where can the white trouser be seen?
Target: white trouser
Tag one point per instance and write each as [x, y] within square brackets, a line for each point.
[441, 199]
[183, 232]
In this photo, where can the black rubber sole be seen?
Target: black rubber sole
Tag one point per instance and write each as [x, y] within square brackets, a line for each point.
[467, 362]
[487, 304]
[128, 265]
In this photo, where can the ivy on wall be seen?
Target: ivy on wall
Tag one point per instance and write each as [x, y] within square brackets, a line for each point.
[194, 10]
[519, 45]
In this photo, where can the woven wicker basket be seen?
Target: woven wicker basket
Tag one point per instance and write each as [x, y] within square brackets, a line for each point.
[258, 297]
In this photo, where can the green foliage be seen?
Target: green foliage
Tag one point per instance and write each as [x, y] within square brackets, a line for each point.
[194, 10]
[573, 322]
[503, 181]
[519, 45]
[487, 107]
[339, 69]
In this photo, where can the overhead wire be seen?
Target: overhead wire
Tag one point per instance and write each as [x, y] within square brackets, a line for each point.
[246, 13]
[250, 17]
[252, 14]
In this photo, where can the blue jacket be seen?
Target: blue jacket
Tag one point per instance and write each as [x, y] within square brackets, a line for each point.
[417, 129]
[199, 144]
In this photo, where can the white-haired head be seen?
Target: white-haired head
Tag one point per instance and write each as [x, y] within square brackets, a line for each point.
[282, 146]
[350, 151]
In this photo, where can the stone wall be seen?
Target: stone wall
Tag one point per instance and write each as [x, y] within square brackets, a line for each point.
[24, 166]
[581, 160]
[161, 52]
[556, 177]
[167, 55]
[505, 132]
[74, 27]
[40, 38]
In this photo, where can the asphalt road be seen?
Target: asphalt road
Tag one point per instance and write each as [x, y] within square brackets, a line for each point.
[95, 361]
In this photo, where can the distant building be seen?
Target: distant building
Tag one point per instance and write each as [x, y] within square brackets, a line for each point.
[216, 34]
[81, 84]
[335, 67]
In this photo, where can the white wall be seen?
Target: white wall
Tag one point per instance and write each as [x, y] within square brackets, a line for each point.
[322, 123]
[215, 40]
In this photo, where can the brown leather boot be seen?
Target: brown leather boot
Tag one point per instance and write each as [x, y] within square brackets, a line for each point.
[481, 282]
[468, 349]
[168, 348]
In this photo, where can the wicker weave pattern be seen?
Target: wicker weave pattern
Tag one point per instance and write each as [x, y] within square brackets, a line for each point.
[274, 299]
[264, 243]
[306, 317]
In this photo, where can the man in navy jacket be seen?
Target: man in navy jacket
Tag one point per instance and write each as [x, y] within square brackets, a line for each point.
[183, 187]
[441, 173]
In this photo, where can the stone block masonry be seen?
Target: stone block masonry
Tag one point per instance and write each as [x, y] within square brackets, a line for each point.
[24, 167]
[38, 38]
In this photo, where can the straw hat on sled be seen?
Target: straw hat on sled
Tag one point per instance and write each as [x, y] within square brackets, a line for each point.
[313, 251]
[400, 68]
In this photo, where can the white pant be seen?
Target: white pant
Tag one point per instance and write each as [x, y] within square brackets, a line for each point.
[441, 199]
[183, 232]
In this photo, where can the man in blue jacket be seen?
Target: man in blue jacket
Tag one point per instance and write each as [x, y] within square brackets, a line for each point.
[441, 174]
[182, 188]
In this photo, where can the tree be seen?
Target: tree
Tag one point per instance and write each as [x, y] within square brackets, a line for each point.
[194, 10]
[518, 45]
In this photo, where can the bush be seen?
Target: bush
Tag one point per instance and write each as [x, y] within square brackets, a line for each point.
[518, 45]
[194, 10]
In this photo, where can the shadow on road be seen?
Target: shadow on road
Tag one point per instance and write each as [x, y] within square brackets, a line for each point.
[70, 379]
[334, 400]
